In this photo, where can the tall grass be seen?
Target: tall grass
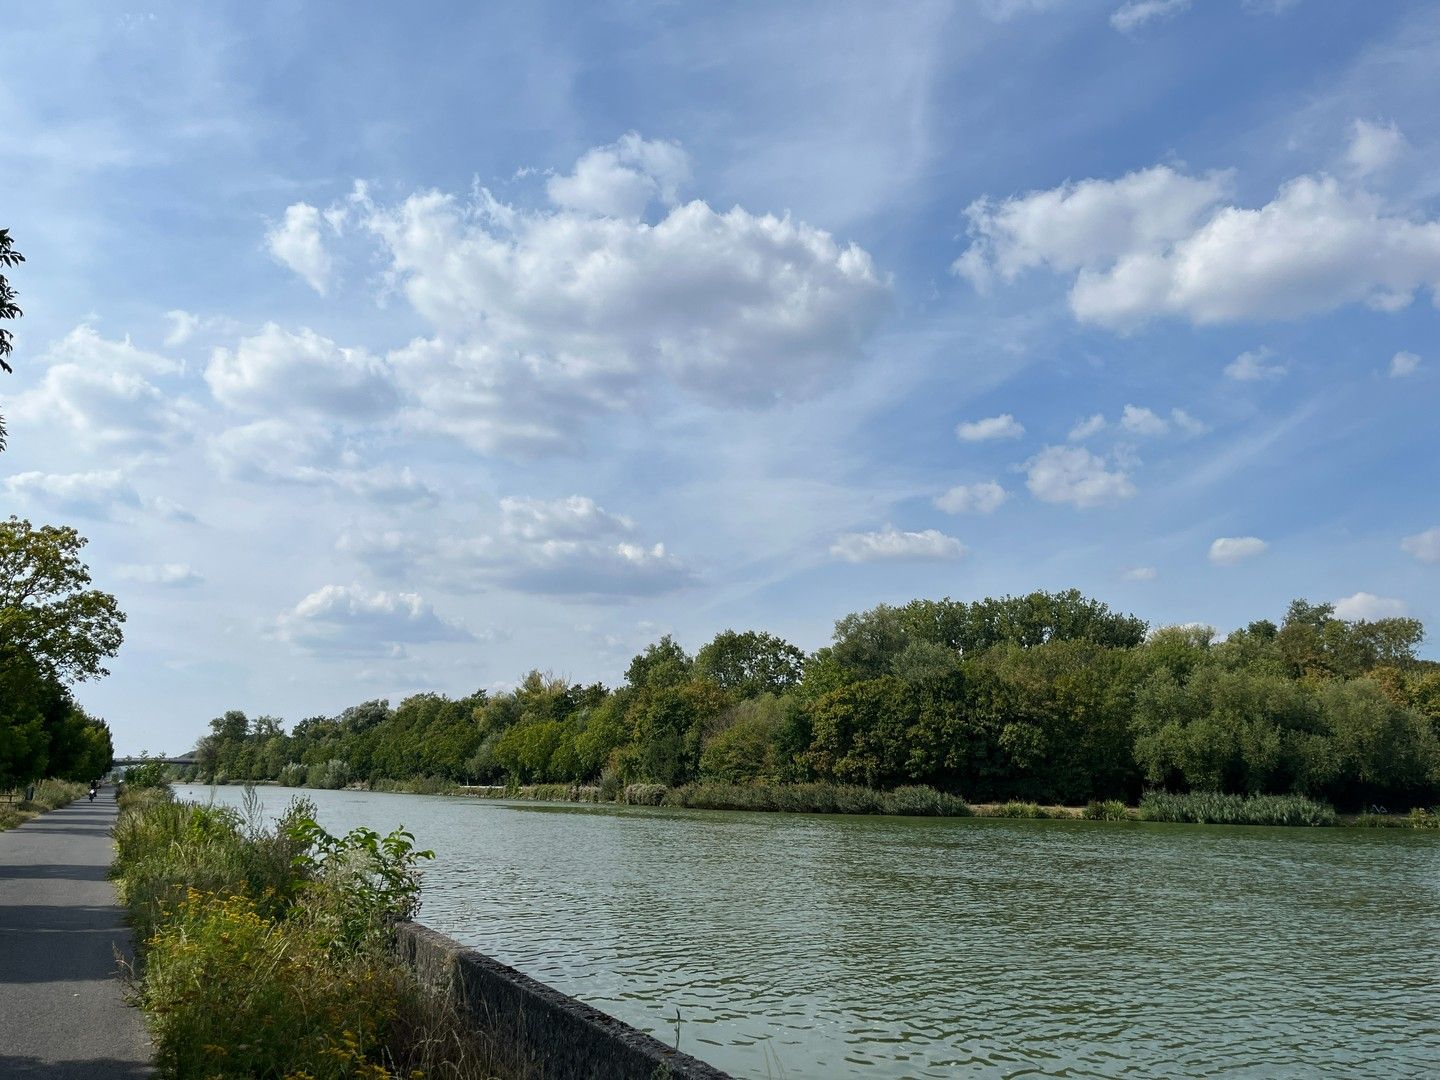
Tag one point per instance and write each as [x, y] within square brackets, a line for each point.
[1023, 810]
[1107, 810]
[821, 798]
[265, 951]
[1217, 808]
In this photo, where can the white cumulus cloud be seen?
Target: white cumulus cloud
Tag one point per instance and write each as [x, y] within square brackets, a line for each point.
[571, 548]
[982, 498]
[278, 371]
[1255, 365]
[1404, 363]
[1229, 550]
[1159, 243]
[298, 243]
[1373, 147]
[1424, 546]
[890, 543]
[1092, 425]
[1139, 573]
[622, 179]
[1134, 14]
[1072, 474]
[284, 452]
[1141, 421]
[1364, 606]
[545, 319]
[91, 494]
[1003, 426]
[104, 392]
[351, 621]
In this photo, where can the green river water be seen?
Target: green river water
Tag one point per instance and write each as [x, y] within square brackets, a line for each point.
[800, 946]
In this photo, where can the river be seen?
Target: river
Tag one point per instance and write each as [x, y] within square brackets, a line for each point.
[809, 946]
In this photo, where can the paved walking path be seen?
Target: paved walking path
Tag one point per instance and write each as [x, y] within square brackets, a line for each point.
[62, 1012]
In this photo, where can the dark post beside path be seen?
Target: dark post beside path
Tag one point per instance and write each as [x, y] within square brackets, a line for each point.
[62, 1012]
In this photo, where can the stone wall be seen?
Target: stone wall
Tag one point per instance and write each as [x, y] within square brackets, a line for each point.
[562, 1038]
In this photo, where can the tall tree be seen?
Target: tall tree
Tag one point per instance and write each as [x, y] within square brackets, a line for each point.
[46, 610]
[8, 309]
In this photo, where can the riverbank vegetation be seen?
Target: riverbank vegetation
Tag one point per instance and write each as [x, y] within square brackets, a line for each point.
[266, 951]
[1045, 699]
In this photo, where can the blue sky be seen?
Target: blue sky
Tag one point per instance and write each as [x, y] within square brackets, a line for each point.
[386, 349]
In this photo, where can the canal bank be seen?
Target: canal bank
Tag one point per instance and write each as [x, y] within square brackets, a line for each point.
[810, 946]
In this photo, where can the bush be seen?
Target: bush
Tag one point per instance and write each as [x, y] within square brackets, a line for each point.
[232, 992]
[265, 951]
[1217, 808]
[1107, 810]
[334, 774]
[147, 774]
[644, 794]
[1421, 818]
[293, 774]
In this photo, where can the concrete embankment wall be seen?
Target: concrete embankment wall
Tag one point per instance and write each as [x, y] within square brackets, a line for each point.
[563, 1038]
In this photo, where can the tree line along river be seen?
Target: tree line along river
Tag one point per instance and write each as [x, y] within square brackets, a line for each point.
[798, 946]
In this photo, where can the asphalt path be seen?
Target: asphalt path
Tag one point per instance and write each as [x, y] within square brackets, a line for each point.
[62, 1008]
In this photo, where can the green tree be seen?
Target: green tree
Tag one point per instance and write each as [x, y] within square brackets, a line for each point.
[8, 309]
[46, 610]
[750, 663]
[665, 663]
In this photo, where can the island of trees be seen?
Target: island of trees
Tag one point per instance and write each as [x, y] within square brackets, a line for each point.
[1051, 698]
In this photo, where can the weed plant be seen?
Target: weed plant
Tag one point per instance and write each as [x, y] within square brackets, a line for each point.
[1107, 810]
[1217, 808]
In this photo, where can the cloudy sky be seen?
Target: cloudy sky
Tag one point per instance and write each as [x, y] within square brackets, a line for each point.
[416, 348]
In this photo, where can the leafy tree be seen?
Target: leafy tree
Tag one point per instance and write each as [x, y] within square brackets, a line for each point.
[747, 745]
[750, 663]
[665, 663]
[46, 611]
[8, 309]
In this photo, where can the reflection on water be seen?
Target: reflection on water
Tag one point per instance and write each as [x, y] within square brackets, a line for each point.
[808, 946]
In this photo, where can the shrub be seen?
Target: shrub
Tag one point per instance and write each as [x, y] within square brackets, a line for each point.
[147, 774]
[334, 774]
[644, 794]
[293, 775]
[265, 950]
[1217, 808]
[1107, 810]
[1421, 818]
[231, 992]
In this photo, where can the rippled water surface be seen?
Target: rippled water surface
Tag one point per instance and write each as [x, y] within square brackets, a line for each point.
[819, 946]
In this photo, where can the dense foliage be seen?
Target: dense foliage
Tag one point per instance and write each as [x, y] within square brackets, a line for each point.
[54, 630]
[1048, 698]
[265, 951]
